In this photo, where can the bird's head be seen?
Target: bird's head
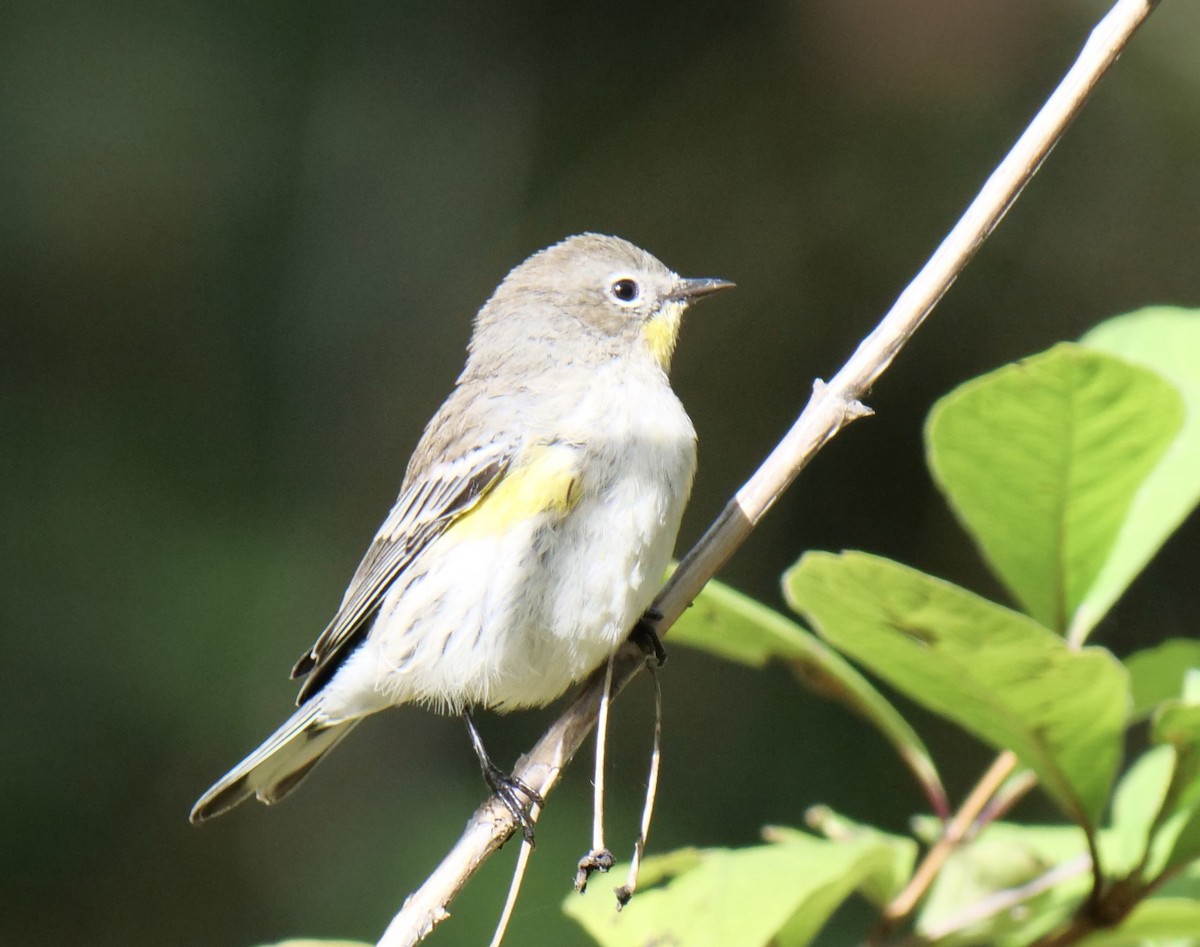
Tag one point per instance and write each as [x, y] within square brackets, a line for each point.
[592, 296]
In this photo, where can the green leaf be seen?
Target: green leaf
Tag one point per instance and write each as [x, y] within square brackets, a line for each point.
[880, 887]
[1041, 459]
[1183, 884]
[1154, 920]
[1157, 674]
[724, 622]
[1136, 803]
[1156, 807]
[1009, 885]
[770, 894]
[1176, 831]
[993, 671]
[733, 626]
[1166, 340]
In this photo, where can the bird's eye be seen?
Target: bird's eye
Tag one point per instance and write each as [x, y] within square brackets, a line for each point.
[625, 290]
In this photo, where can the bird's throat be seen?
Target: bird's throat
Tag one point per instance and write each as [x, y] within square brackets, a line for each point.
[662, 332]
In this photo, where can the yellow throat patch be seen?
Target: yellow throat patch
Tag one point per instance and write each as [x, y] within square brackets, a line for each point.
[662, 332]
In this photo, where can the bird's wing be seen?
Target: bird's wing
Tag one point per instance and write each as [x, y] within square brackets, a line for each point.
[425, 508]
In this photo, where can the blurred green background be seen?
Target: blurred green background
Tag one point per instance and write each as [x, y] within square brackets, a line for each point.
[240, 246]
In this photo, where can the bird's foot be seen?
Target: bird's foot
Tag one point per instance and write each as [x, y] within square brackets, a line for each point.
[517, 796]
[645, 636]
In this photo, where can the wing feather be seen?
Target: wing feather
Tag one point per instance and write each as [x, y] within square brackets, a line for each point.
[422, 512]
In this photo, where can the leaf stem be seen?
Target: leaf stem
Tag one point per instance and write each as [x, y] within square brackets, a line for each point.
[952, 836]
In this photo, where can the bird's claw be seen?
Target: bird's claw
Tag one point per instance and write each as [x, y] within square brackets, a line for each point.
[645, 636]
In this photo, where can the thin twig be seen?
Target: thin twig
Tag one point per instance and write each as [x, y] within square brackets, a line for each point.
[993, 903]
[601, 741]
[956, 830]
[830, 408]
[599, 858]
[626, 891]
[514, 888]
[1005, 798]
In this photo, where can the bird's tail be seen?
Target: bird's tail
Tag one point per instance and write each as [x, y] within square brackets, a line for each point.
[274, 769]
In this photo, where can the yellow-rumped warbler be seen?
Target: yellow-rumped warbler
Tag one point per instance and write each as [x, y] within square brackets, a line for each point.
[534, 523]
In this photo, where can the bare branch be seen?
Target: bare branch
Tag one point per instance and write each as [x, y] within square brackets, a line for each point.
[626, 891]
[953, 835]
[831, 407]
[514, 887]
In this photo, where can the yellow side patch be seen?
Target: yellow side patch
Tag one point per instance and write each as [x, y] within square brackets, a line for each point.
[662, 332]
[545, 482]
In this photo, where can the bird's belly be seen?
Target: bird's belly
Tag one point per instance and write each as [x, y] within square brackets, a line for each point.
[598, 574]
[513, 619]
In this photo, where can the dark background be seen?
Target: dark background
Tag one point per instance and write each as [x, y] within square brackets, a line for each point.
[240, 246]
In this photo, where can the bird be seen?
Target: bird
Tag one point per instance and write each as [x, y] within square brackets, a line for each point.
[533, 526]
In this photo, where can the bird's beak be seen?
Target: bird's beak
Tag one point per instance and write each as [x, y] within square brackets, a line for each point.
[689, 290]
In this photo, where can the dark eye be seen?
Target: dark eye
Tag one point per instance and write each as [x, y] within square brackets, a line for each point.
[625, 290]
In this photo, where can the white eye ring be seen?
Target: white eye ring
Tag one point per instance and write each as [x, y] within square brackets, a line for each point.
[625, 291]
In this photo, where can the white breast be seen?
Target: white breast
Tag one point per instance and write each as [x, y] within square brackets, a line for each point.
[512, 620]
[603, 566]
